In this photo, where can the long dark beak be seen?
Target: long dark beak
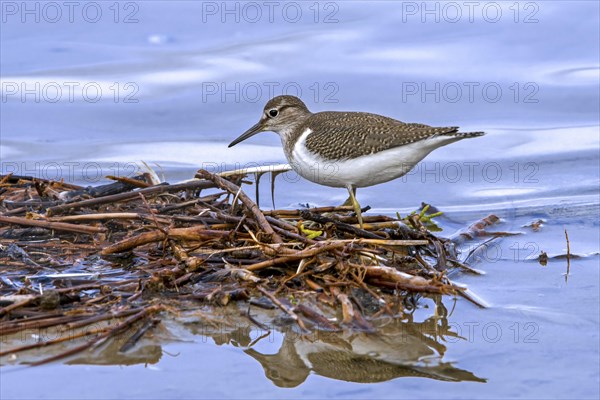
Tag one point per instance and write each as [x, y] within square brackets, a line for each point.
[249, 133]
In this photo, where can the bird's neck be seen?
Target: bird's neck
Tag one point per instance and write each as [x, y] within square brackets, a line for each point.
[292, 132]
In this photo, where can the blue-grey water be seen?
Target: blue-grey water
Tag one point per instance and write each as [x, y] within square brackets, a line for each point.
[92, 89]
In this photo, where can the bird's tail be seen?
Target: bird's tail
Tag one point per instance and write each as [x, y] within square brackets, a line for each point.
[465, 135]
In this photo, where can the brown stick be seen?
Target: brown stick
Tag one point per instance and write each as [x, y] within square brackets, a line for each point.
[281, 223]
[568, 255]
[339, 225]
[199, 184]
[184, 204]
[5, 178]
[111, 216]
[248, 203]
[193, 233]
[14, 306]
[97, 217]
[375, 221]
[291, 257]
[296, 213]
[474, 230]
[292, 235]
[129, 181]
[57, 226]
[406, 281]
[383, 242]
[16, 178]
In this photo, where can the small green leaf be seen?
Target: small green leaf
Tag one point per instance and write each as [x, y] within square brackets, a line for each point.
[309, 233]
[426, 219]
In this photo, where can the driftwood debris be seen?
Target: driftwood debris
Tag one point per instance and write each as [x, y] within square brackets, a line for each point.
[71, 257]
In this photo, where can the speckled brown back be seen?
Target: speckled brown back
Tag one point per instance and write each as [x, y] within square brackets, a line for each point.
[346, 135]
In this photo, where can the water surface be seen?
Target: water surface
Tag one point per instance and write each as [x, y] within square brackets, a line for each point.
[178, 81]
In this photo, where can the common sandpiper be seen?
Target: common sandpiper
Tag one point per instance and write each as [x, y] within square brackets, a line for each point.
[349, 149]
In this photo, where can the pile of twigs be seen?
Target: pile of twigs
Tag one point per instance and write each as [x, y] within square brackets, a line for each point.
[73, 256]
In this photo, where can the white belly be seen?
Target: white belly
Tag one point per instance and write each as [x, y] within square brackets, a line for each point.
[362, 171]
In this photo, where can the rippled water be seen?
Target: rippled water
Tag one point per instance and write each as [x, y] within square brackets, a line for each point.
[173, 83]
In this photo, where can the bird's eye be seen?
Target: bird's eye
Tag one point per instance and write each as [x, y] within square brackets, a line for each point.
[273, 113]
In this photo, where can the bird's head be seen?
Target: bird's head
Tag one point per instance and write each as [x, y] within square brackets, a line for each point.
[281, 115]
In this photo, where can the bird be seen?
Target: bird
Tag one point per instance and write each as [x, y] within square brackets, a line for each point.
[349, 149]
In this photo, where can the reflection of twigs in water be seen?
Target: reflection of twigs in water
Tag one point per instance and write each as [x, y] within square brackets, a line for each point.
[97, 341]
[258, 339]
[254, 321]
[479, 246]
[568, 256]
[453, 307]
[285, 309]
[138, 335]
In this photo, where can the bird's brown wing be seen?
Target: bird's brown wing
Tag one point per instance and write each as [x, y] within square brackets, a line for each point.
[358, 134]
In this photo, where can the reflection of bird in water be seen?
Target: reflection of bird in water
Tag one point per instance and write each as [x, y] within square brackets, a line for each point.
[358, 357]
[285, 368]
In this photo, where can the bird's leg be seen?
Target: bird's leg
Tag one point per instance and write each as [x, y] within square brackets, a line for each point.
[348, 201]
[352, 192]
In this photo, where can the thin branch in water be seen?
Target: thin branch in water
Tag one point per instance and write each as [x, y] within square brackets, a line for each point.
[568, 256]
